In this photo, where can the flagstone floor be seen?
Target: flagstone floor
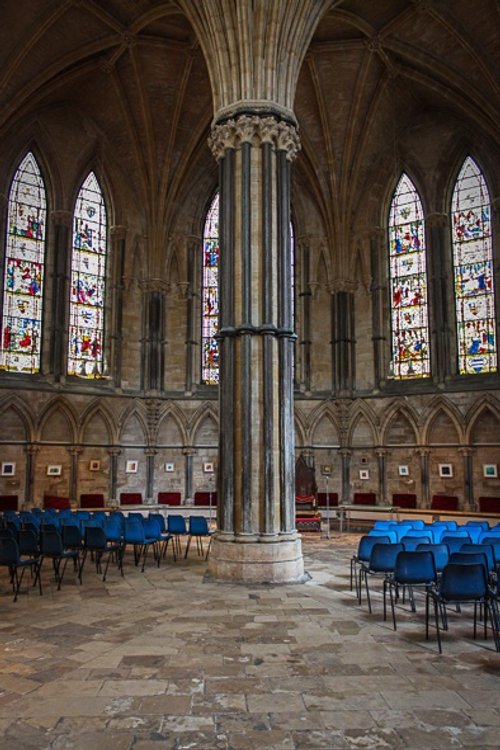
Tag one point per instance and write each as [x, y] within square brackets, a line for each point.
[166, 660]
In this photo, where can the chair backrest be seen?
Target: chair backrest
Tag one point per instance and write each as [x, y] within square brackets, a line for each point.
[198, 525]
[366, 543]
[9, 551]
[469, 558]
[474, 532]
[383, 557]
[113, 529]
[51, 541]
[483, 524]
[414, 567]
[71, 535]
[494, 543]
[28, 542]
[176, 524]
[411, 541]
[390, 534]
[454, 542]
[404, 500]
[444, 502]
[134, 531]
[383, 525]
[160, 520]
[441, 553]
[463, 581]
[169, 498]
[485, 549]
[415, 523]
[95, 537]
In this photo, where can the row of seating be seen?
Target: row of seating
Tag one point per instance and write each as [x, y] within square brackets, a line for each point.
[98, 500]
[485, 504]
[27, 539]
[448, 576]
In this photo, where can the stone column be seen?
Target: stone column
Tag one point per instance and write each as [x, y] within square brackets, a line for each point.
[346, 477]
[424, 478]
[381, 454]
[153, 342]
[118, 234]
[303, 312]
[439, 281]
[254, 52]
[467, 454]
[343, 340]
[256, 447]
[380, 325]
[74, 452]
[188, 472]
[113, 472]
[31, 451]
[193, 250]
[150, 454]
[61, 222]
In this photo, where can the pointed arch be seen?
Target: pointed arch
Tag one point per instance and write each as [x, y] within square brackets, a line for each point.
[473, 271]
[443, 423]
[17, 425]
[362, 431]
[205, 426]
[24, 270]
[97, 426]
[58, 423]
[171, 427]
[410, 345]
[88, 281]
[133, 427]
[300, 430]
[483, 422]
[399, 426]
[324, 429]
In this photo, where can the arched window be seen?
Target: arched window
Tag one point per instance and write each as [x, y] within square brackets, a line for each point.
[473, 272]
[88, 282]
[408, 284]
[24, 270]
[210, 296]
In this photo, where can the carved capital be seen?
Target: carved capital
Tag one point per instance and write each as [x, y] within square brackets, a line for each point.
[153, 285]
[255, 130]
[342, 285]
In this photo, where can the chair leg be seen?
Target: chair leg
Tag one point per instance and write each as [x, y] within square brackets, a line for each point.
[188, 544]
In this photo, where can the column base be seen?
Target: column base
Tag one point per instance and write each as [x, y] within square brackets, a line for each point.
[256, 561]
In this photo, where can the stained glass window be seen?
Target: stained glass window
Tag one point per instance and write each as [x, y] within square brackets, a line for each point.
[408, 284]
[88, 274]
[24, 270]
[473, 272]
[210, 296]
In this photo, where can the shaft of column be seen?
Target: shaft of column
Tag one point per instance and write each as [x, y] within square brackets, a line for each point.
[257, 539]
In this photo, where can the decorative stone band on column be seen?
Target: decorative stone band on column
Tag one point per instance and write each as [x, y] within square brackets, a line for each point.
[257, 540]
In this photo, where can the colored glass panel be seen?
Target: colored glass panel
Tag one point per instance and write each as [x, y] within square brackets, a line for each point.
[408, 284]
[210, 296]
[24, 270]
[473, 272]
[88, 286]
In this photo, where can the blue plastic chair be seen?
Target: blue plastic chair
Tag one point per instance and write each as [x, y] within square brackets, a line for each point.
[52, 547]
[413, 538]
[441, 554]
[97, 543]
[412, 569]
[136, 535]
[485, 549]
[460, 584]
[382, 561]
[176, 526]
[455, 540]
[362, 555]
[11, 559]
[199, 529]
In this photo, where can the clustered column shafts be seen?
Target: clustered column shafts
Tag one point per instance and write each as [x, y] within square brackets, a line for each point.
[256, 336]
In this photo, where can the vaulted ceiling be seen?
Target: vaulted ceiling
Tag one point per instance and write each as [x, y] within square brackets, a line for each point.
[124, 83]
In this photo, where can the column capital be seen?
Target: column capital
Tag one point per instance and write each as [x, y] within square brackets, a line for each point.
[61, 218]
[114, 451]
[342, 285]
[74, 450]
[153, 285]
[256, 130]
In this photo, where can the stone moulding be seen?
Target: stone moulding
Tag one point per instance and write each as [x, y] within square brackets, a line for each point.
[257, 131]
